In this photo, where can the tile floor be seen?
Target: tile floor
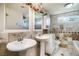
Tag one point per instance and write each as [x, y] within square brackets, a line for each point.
[63, 52]
[71, 51]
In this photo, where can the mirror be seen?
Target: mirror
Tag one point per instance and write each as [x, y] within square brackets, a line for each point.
[17, 16]
[38, 21]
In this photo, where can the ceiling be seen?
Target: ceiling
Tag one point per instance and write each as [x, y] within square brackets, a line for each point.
[52, 8]
[56, 8]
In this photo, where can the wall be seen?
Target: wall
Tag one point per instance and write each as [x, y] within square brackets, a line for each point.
[1, 17]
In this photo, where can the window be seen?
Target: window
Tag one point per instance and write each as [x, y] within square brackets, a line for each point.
[70, 23]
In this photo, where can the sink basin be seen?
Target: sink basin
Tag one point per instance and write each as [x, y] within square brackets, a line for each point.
[21, 45]
[42, 37]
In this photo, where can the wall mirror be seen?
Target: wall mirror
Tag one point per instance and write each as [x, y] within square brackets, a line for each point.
[38, 21]
[16, 17]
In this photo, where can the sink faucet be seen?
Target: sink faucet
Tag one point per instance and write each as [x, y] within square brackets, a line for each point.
[20, 38]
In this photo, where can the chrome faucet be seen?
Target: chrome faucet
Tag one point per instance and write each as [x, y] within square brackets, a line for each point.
[20, 38]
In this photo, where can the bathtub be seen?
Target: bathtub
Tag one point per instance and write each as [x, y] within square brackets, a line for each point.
[76, 46]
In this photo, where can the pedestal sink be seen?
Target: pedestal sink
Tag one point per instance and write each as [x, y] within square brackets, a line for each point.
[21, 45]
[42, 39]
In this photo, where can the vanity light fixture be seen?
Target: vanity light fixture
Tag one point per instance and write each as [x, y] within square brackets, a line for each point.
[68, 5]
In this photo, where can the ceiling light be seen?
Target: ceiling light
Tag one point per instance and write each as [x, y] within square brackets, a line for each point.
[68, 5]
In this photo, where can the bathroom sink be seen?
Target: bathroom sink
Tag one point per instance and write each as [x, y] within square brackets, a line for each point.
[21, 45]
[42, 37]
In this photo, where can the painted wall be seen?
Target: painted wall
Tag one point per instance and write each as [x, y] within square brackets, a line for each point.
[1, 17]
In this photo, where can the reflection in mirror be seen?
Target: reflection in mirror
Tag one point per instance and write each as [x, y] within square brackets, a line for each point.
[38, 21]
[23, 23]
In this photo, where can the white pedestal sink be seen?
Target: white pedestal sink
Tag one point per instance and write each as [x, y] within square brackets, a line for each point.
[42, 39]
[21, 45]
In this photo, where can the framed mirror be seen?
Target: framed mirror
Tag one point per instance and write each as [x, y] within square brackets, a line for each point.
[38, 21]
[16, 17]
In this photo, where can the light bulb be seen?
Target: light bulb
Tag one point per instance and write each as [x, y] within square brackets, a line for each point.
[68, 5]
